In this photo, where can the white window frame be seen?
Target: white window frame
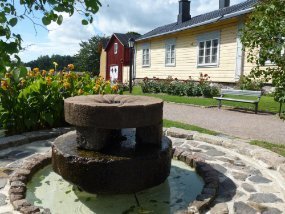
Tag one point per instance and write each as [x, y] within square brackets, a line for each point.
[145, 48]
[170, 43]
[116, 47]
[216, 35]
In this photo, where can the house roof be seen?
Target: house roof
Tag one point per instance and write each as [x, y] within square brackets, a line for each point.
[221, 14]
[124, 38]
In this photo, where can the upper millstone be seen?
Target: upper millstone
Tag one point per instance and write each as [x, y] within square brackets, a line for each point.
[113, 111]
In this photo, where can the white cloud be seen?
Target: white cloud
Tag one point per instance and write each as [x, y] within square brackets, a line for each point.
[63, 39]
[143, 16]
[114, 16]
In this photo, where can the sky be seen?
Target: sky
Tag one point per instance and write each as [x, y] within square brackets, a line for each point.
[114, 16]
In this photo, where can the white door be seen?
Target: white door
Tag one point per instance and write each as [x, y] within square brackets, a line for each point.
[114, 73]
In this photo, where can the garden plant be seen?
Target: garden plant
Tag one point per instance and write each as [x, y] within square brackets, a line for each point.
[33, 100]
[264, 40]
[181, 88]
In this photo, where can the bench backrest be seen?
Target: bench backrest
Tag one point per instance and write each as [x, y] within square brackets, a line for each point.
[241, 93]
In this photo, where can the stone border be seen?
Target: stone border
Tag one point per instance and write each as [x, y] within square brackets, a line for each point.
[29, 137]
[267, 158]
[20, 178]
[270, 160]
[208, 174]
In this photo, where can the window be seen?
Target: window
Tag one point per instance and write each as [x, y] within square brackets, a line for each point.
[170, 53]
[146, 55]
[208, 52]
[116, 48]
[208, 49]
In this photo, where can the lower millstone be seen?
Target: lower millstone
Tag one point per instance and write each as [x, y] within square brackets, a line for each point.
[118, 169]
[96, 139]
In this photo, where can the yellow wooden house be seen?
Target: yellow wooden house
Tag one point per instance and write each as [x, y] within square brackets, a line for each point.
[208, 43]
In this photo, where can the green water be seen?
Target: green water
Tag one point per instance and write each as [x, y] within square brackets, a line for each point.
[49, 190]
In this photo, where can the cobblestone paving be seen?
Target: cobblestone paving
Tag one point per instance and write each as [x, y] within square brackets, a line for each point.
[246, 185]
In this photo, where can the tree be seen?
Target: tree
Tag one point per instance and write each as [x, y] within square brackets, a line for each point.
[264, 40]
[46, 62]
[134, 33]
[11, 12]
[88, 57]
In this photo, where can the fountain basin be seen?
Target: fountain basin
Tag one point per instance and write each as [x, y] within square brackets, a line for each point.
[123, 167]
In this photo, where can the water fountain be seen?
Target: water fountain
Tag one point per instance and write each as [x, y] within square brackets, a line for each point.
[117, 161]
[118, 146]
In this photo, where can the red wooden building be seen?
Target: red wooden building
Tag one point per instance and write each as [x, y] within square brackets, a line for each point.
[118, 56]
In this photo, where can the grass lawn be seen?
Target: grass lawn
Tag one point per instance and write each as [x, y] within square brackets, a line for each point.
[279, 149]
[267, 104]
[169, 123]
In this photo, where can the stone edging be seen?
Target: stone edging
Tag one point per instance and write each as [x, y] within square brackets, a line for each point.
[34, 163]
[29, 137]
[267, 158]
[273, 161]
[208, 174]
[20, 178]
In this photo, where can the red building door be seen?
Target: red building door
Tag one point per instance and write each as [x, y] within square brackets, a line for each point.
[114, 73]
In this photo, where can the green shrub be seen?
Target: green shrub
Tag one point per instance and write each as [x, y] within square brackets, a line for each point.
[215, 91]
[206, 90]
[177, 88]
[248, 83]
[180, 88]
[150, 86]
[189, 87]
[34, 100]
[197, 90]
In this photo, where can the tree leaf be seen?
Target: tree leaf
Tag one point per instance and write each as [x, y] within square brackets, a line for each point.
[59, 19]
[46, 20]
[84, 22]
[13, 21]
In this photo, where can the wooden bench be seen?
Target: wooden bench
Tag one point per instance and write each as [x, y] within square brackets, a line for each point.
[239, 93]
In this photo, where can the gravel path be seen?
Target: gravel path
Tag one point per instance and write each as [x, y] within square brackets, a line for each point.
[240, 124]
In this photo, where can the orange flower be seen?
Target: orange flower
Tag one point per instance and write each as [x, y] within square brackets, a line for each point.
[4, 85]
[48, 79]
[80, 92]
[71, 67]
[115, 87]
[66, 85]
[31, 74]
[96, 88]
[36, 70]
[67, 75]
[51, 72]
[44, 72]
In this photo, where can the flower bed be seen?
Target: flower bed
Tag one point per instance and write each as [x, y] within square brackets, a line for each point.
[181, 88]
[33, 100]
